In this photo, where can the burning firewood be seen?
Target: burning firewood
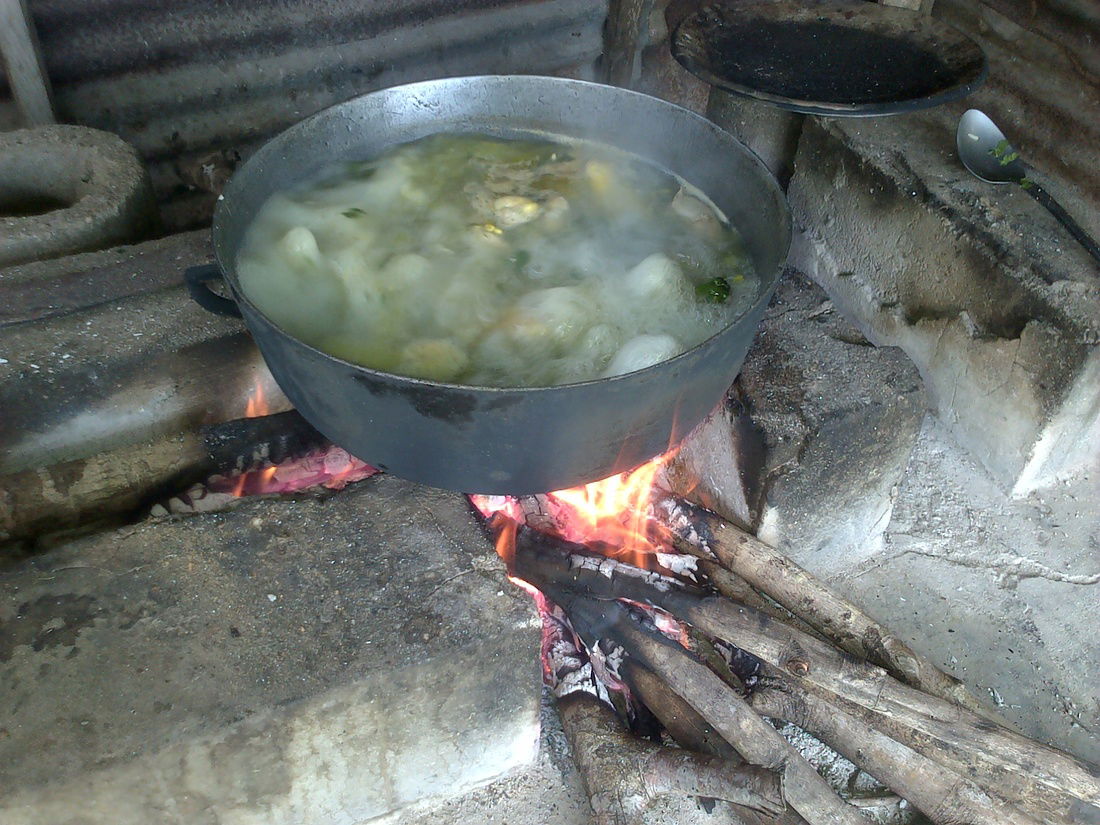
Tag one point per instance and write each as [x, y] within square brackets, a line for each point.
[328, 467]
[757, 741]
[925, 713]
[250, 443]
[621, 773]
[679, 719]
[542, 512]
[115, 483]
[734, 587]
[88, 492]
[598, 621]
[895, 732]
[691, 731]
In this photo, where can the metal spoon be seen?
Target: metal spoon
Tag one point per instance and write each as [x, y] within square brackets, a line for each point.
[986, 152]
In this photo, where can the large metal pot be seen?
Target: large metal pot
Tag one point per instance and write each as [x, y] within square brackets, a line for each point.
[492, 440]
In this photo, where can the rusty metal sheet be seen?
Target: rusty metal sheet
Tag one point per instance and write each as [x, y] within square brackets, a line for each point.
[194, 82]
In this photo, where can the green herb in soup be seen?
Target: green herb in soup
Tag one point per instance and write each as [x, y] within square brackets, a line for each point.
[489, 262]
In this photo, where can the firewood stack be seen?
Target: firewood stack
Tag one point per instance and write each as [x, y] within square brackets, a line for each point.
[664, 637]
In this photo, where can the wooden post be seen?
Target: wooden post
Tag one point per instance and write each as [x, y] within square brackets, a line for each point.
[23, 64]
[625, 36]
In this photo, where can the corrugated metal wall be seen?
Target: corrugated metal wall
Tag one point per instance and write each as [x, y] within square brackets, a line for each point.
[1052, 115]
[183, 78]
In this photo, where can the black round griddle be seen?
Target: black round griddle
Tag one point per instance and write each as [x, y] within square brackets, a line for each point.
[848, 58]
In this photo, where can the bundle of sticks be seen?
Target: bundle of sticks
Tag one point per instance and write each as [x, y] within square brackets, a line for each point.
[664, 636]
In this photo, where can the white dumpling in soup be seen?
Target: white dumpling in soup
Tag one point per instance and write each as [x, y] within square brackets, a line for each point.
[469, 259]
[657, 278]
[298, 290]
[642, 351]
[299, 249]
[362, 285]
[593, 350]
[406, 274]
[547, 319]
[467, 306]
[434, 359]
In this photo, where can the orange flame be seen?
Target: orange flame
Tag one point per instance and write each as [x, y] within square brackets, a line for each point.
[505, 525]
[257, 402]
[260, 481]
[611, 512]
[505, 528]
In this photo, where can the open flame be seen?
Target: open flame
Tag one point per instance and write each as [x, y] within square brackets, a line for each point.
[612, 517]
[610, 513]
[332, 467]
[257, 405]
[261, 478]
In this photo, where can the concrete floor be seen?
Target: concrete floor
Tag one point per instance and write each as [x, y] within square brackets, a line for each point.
[547, 791]
[319, 660]
[1002, 592]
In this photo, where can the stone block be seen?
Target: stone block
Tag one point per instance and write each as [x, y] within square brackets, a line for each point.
[66, 189]
[43, 289]
[984, 291]
[839, 418]
[122, 373]
[323, 660]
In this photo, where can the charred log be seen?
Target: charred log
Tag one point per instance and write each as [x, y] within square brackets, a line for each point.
[112, 486]
[915, 713]
[102, 489]
[622, 773]
[1046, 783]
[737, 723]
[680, 720]
[249, 443]
[692, 732]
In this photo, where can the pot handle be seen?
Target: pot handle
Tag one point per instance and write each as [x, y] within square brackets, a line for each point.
[197, 278]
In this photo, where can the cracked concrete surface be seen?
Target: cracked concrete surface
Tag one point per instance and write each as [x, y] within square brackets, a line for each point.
[312, 660]
[1002, 592]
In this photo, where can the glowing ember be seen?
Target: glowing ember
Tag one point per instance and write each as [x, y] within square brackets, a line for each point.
[610, 516]
[261, 479]
[491, 506]
[331, 467]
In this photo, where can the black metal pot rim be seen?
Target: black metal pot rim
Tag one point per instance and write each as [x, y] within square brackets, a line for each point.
[765, 281]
